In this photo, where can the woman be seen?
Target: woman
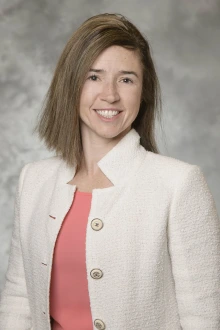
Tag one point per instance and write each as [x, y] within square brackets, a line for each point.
[109, 234]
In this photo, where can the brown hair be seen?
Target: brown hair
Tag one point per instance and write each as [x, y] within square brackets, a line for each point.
[59, 124]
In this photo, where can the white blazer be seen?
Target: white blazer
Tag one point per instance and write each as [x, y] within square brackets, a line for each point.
[158, 248]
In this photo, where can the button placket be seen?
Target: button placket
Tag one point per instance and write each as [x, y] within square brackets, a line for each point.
[96, 273]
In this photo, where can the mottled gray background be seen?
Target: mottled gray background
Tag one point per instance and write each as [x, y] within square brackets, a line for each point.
[184, 36]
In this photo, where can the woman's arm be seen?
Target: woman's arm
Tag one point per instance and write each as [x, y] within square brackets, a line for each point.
[194, 247]
[14, 305]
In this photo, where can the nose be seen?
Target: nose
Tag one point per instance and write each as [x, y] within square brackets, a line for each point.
[109, 93]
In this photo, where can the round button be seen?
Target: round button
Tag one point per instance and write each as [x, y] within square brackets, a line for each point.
[96, 224]
[96, 273]
[99, 324]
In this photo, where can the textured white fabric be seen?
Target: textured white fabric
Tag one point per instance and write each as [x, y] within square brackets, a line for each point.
[159, 248]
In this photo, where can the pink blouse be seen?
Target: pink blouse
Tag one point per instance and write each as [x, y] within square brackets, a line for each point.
[69, 298]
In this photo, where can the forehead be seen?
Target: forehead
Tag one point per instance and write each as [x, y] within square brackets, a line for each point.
[117, 56]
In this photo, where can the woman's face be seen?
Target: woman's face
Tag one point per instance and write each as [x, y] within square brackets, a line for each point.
[114, 82]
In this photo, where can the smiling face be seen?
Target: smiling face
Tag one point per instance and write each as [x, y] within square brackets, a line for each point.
[113, 82]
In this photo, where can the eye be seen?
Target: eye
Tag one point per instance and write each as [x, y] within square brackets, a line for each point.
[93, 77]
[128, 79]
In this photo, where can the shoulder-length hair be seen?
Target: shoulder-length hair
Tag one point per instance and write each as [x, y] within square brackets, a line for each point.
[59, 123]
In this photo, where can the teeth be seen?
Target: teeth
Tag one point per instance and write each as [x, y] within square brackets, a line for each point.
[107, 113]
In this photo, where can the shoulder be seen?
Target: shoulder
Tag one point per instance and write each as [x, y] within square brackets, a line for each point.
[170, 171]
[41, 169]
[46, 163]
[49, 164]
[167, 164]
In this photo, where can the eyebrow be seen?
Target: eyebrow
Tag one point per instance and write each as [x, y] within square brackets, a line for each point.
[121, 71]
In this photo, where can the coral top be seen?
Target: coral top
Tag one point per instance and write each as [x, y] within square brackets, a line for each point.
[69, 298]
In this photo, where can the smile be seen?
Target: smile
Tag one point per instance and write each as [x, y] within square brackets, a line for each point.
[108, 115]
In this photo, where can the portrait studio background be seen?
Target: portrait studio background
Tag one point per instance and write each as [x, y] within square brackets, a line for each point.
[184, 37]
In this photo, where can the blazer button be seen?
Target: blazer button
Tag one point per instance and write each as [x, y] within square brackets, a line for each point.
[96, 224]
[96, 273]
[99, 324]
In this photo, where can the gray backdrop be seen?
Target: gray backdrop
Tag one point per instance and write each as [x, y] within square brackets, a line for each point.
[184, 36]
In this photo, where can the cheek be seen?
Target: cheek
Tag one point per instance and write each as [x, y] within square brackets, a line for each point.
[88, 94]
[84, 95]
[133, 98]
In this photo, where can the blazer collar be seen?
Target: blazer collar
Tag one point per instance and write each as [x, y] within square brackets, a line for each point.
[116, 164]
[120, 164]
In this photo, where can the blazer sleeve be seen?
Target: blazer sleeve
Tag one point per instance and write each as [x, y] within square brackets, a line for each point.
[194, 248]
[14, 305]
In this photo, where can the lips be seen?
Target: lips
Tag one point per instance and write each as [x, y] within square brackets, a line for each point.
[106, 119]
[112, 109]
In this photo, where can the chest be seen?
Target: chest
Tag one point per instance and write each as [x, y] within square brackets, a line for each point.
[134, 219]
[87, 184]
